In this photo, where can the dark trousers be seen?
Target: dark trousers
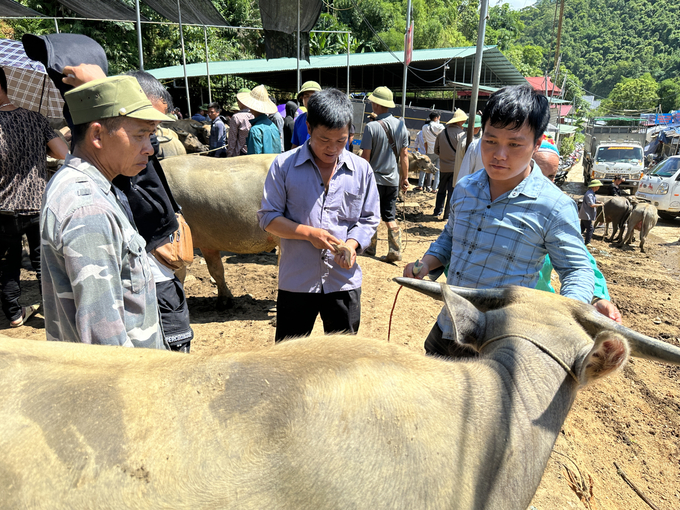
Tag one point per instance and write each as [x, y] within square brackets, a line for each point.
[445, 191]
[11, 229]
[388, 202]
[172, 305]
[437, 345]
[297, 311]
[587, 228]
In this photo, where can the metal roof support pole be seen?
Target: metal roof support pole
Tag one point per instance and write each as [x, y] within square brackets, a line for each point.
[455, 78]
[56, 25]
[139, 37]
[403, 85]
[299, 78]
[349, 37]
[207, 64]
[184, 56]
[477, 69]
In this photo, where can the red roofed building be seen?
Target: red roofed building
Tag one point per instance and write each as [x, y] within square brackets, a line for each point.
[564, 109]
[538, 83]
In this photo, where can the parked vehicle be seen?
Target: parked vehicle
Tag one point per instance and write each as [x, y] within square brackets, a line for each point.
[612, 151]
[566, 163]
[661, 187]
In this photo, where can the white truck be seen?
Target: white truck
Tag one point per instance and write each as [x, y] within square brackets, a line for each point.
[661, 187]
[612, 151]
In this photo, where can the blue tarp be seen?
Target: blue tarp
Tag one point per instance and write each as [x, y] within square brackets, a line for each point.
[664, 137]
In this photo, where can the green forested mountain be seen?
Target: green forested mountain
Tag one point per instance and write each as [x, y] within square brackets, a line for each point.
[604, 41]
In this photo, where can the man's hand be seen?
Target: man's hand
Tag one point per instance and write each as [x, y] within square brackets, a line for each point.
[79, 75]
[322, 239]
[608, 309]
[422, 272]
[404, 185]
[346, 254]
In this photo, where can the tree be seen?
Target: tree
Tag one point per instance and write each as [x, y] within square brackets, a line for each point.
[635, 94]
[604, 41]
[503, 27]
[528, 59]
[669, 94]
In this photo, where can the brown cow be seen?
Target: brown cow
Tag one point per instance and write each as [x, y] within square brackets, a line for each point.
[418, 162]
[643, 218]
[220, 198]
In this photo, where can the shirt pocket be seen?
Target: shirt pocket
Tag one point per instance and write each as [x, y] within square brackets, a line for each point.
[136, 273]
[350, 209]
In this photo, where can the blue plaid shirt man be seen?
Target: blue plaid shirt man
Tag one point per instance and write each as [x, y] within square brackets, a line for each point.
[504, 242]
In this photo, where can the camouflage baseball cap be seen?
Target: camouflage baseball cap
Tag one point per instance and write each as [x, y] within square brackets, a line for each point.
[111, 97]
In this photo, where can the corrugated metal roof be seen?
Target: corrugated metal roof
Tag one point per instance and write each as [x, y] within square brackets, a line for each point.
[271, 72]
[538, 83]
[260, 65]
[482, 88]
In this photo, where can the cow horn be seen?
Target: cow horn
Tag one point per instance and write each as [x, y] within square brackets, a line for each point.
[469, 322]
[641, 346]
[483, 299]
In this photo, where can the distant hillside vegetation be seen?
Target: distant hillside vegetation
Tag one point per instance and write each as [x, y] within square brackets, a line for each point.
[604, 41]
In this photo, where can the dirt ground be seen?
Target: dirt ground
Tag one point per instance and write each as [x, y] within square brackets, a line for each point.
[632, 418]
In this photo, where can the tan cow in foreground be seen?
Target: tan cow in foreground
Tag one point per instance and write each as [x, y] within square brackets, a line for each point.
[318, 423]
[220, 198]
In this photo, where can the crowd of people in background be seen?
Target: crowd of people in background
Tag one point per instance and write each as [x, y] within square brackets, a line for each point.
[324, 202]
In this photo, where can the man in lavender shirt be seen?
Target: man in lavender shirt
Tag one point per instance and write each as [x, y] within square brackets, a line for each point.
[316, 197]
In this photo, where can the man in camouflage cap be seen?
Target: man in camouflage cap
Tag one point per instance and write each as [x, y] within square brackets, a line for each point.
[97, 283]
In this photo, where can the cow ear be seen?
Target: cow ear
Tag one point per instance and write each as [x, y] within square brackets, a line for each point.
[469, 324]
[609, 354]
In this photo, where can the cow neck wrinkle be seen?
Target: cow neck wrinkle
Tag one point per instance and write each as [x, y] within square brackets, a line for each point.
[554, 356]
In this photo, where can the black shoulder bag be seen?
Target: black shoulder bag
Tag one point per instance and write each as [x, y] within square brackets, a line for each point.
[390, 139]
[448, 139]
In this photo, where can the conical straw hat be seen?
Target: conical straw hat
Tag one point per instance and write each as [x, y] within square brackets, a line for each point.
[258, 100]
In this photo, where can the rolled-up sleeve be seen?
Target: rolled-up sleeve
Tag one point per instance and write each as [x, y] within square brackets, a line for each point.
[568, 255]
[363, 230]
[274, 195]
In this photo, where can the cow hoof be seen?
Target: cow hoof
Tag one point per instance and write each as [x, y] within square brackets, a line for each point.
[224, 304]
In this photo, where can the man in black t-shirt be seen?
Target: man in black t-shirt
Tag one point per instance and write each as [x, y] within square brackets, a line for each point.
[613, 189]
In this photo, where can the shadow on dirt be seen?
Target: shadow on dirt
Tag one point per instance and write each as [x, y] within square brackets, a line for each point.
[263, 258]
[421, 230]
[204, 309]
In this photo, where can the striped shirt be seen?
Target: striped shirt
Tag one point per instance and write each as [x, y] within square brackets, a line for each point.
[239, 126]
[504, 242]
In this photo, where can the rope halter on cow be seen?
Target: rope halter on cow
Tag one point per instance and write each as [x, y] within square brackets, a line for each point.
[554, 356]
